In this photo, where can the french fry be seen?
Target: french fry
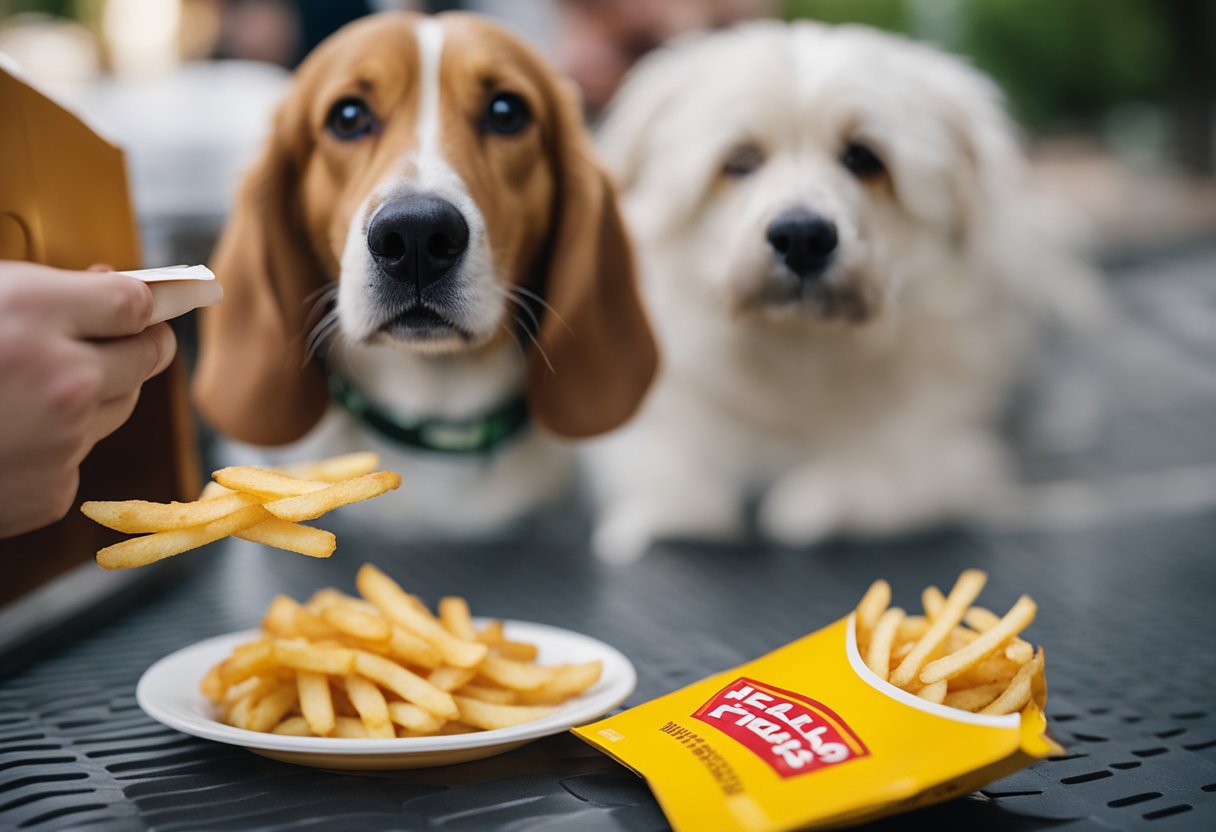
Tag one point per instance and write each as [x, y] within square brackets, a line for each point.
[992, 669]
[312, 505]
[933, 601]
[454, 615]
[413, 718]
[247, 660]
[272, 707]
[212, 490]
[299, 654]
[350, 728]
[265, 483]
[513, 674]
[293, 726]
[878, 654]
[1038, 685]
[871, 606]
[409, 686]
[316, 702]
[1015, 697]
[238, 712]
[280, 617]
[497, 696]
[292, 537]
[912, 628]
[355, 622]
[212, 686]
[935, 692]
[328, 596]
[253, 688]
[140, 551]
[450, 678]
[565, 681]
[1019, 651]
[392, 600]
[140, 517]
[988, 642]
[972, 699]
[981, 619]
[371, 705]
[965, 591]
[490, 716]
[313, 626]
[492, 634]
[409, 648]
[900, 652]
[335, 469]
[521, 651]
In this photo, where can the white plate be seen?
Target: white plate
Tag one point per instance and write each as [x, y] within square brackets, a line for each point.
[168, 692]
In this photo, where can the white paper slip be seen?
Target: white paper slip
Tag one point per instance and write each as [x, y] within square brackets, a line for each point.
[178, 289]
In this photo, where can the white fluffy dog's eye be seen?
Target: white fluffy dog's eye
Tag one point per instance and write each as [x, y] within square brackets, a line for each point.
[743, 160]
[862, 161]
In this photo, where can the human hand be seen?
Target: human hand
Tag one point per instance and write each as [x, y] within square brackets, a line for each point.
[75, 348]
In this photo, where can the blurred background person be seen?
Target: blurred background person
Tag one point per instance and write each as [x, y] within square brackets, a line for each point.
[599, 40]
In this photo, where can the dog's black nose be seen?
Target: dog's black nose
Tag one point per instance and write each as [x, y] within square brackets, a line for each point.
[417, 239]
[802, 240]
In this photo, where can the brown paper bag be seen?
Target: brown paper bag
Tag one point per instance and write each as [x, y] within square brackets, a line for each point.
[64, 202]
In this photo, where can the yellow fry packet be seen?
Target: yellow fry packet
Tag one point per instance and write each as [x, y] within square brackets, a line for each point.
[807, 737]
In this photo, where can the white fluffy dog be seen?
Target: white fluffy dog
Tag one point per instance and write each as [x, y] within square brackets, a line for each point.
[843, 265]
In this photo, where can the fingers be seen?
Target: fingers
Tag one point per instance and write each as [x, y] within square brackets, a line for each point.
[111, 416]
[108, 305]
[127, 363]
[81, 304]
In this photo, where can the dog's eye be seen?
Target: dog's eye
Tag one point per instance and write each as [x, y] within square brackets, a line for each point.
[507, 114]
[862, 161]
[743, 161]
[350, 119]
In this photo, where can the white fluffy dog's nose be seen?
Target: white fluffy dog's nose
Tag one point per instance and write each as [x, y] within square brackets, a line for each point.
[803, 240]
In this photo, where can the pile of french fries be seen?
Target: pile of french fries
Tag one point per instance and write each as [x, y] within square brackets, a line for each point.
[953, 654]
[384, 666]
[258, 504]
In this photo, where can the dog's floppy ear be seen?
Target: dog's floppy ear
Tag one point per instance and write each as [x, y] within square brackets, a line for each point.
[595, 355]
[252, 382]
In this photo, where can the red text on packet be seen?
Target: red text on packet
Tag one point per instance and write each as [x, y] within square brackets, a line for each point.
[792, 733]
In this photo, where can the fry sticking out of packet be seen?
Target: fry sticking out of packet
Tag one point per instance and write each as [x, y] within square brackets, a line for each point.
[256, 504]
[818, 733]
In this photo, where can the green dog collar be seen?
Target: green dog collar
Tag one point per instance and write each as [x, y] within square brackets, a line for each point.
[480, 436]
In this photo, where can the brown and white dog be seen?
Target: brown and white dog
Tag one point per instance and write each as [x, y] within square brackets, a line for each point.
[428, 235]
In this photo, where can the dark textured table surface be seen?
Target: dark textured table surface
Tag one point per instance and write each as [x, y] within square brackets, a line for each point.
[1123, 568]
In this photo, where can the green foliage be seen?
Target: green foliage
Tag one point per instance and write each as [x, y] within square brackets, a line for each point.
[58, 8]
[1070, 60]
[1061, 62]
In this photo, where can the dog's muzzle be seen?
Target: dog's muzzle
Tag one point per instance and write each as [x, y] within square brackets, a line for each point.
[418, 240]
